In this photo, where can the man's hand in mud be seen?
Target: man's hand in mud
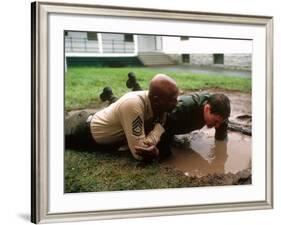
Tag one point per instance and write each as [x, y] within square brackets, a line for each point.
[147, 153]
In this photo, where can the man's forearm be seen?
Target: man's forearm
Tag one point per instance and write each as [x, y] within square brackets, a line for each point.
[154, 136]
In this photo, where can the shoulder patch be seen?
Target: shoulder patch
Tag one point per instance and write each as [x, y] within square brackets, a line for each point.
[137, 126]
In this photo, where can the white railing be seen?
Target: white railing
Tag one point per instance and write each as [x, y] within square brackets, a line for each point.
[75, 44]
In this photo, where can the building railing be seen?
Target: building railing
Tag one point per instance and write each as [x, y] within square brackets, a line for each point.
[75, 44]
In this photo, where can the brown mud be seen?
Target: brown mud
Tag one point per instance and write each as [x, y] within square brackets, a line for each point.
[206, 162]
[202, 155]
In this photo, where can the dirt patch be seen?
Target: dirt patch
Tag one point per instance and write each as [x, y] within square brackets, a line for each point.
[219, 179]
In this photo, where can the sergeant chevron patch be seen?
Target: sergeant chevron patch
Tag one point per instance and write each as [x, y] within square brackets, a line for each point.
[137, 126]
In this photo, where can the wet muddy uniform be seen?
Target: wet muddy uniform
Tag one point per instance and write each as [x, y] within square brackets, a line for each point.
[128, 120]
[185, 118]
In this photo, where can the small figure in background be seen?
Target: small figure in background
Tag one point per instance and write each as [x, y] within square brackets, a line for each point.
[107, 95]
[132, 82]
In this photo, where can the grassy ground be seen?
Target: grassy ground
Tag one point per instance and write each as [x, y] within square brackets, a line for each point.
[117, 171]
[83, 85]
[114, 171]
[104, 171]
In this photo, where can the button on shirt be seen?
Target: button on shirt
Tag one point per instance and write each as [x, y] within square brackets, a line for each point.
[126, 119]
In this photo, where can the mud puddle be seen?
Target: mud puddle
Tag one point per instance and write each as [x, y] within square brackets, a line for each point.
[199, 154]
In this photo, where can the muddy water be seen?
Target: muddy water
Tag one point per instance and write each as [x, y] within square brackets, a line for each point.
[202, 155]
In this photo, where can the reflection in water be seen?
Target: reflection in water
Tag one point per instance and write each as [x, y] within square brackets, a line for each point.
[205, 155]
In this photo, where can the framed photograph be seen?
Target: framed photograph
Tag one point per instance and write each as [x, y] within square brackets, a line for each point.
[81, 52]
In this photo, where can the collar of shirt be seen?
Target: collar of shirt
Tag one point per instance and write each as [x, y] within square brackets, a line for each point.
[148, 106]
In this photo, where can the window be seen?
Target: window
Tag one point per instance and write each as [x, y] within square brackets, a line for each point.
[129, 38]
[218, 58]
[65, 33]
[92, 36]
[185, 58]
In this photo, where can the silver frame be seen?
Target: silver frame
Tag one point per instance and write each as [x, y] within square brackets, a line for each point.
[39, 172]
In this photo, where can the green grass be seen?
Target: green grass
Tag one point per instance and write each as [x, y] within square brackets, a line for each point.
[83, 85]
[115, 171]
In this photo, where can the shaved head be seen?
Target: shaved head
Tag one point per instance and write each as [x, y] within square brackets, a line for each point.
[163, 93]
[161, 84]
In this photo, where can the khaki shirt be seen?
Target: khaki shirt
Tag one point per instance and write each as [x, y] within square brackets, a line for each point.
[126, 120]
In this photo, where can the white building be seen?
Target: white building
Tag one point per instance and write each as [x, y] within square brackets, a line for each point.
[150, 50]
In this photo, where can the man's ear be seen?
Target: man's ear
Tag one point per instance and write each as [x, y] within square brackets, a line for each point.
[207, 108]
[155, 100]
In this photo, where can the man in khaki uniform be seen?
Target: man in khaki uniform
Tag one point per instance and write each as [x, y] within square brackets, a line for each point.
[136, 118]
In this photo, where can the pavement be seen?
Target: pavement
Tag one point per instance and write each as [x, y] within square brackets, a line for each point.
[205, 70]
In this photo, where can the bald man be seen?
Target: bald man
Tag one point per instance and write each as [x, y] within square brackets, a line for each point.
[135, 119]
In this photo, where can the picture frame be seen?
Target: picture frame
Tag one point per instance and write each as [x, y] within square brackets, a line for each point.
[48, 202]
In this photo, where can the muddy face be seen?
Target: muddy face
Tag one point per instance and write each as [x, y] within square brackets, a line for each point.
[204, 155]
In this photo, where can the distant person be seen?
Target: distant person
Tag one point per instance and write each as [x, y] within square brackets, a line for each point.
[192, 113]
[132, 82]
[136, 118]
[107, 95]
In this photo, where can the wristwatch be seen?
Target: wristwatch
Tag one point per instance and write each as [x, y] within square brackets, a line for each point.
[158, 120]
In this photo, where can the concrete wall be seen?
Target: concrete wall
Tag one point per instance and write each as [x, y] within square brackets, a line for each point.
[231, 61]
[238, 61]
[201, 59]
[176, 58]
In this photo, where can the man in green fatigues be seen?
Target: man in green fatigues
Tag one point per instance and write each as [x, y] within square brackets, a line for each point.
[192, 113]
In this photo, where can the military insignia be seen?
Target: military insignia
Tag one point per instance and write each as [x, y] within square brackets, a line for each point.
[137, 126]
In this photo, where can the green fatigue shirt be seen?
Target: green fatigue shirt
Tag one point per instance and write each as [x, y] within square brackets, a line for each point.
[187, 117]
